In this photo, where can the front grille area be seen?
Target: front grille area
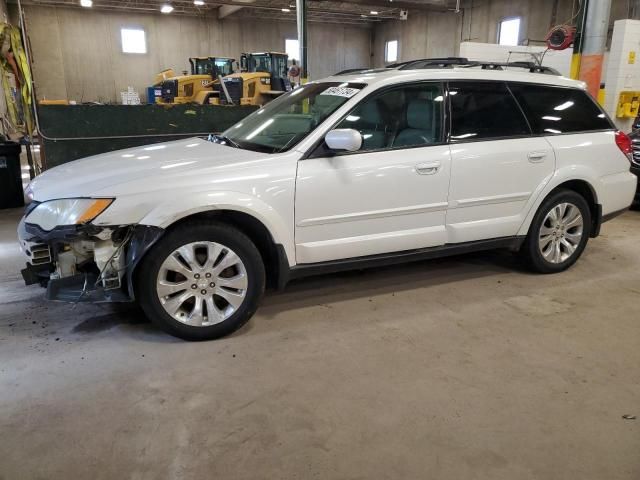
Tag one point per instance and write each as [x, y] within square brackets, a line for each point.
[234, 87]
[40, 255]
[169, 90]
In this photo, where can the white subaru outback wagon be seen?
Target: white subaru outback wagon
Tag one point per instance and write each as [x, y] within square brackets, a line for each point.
[360, 169]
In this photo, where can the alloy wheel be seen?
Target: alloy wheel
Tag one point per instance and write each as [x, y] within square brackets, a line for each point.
[561, 233]
[202, 283]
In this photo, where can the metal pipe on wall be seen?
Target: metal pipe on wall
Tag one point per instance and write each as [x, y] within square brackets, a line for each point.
[301, 14]
[594, 40]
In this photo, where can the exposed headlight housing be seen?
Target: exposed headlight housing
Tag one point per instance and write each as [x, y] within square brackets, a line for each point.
[67, 211]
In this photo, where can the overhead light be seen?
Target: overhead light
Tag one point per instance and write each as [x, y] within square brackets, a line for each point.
[286, 10]
[363, 16]
[166, 8]
[198, 3]
[373, 12]
[86, 3]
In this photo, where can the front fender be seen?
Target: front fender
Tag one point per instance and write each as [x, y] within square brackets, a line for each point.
[171, 210]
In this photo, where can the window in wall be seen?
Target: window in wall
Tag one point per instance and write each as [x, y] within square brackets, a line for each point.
[133, 40]
[484, 110]
[509, 31]
[401, 117]
[391, 51]
[292, 48]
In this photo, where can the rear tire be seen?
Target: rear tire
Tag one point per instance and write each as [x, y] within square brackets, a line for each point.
[558, 233]
[201, 281]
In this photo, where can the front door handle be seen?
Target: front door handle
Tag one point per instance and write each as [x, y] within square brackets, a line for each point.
[535, 157]
[428, 168]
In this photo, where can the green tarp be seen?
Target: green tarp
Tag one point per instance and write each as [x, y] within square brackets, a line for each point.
[69, 132]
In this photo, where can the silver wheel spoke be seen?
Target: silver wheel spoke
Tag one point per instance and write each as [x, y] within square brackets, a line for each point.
[213, 314]
[188, 253]
[568, 246]
[576, 222]
[213, 252]
[557, 253]
[544, 241]
[573, 238]
[172, 306]
[172, 264]
[196, 317]
[166, 288]
[234, 299]
[571, 214]
[238, 282]
[229, 260]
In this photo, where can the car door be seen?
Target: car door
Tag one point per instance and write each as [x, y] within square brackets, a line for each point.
[498, 167]
[389, 196]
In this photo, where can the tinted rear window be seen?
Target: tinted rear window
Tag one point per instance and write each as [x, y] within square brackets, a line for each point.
[484, 110]
[555, 110]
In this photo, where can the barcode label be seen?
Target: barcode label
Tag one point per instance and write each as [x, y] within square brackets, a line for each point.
[341, 91]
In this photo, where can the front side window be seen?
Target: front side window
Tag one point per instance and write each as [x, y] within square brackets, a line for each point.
[555, 110]
[405, 116]
[284, 122]
[483, 111]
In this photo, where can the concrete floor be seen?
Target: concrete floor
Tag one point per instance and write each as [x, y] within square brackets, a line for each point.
[462, 368]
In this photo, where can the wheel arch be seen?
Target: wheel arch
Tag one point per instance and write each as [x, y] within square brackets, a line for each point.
[579, 185]
[273, 254]
[586, 191]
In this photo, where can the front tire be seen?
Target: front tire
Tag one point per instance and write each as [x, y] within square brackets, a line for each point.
[201, 281]
[558, 233]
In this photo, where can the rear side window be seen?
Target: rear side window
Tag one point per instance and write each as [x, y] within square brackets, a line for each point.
[483, 111]
[555, 110]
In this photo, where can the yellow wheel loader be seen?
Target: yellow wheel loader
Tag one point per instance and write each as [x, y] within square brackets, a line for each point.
[262, 77]
[199, 87]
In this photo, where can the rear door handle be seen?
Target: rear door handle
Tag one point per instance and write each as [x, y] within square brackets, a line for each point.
[535, 157]
[428, 168]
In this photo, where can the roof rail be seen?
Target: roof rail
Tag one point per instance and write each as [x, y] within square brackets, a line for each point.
[438, 62]
[450, 62]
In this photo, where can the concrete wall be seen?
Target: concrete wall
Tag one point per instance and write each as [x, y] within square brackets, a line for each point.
[432, 34]
[423, 34]
[77, 53]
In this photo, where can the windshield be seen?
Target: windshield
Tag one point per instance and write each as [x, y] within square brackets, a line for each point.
[260, 63]
[284, 122]
[205, 67]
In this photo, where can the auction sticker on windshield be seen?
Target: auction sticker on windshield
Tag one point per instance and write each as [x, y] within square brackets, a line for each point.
[341, 91]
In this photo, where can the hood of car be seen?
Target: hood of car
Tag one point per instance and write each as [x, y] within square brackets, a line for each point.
[151, 167]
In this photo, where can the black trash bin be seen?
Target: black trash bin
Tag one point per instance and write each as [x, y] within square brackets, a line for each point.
[11, 194]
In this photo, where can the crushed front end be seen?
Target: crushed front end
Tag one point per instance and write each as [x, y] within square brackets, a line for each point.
[82, 262]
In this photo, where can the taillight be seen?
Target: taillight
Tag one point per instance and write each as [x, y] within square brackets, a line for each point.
[624, 144]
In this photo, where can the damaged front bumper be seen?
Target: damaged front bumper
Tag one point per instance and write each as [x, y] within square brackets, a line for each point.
[85, 263]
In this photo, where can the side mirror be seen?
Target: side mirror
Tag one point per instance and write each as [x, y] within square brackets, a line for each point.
[344, 139]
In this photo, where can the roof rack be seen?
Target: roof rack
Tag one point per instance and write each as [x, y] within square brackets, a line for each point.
[450, 62]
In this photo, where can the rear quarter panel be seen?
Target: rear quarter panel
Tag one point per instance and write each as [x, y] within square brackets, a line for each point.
[594, 158]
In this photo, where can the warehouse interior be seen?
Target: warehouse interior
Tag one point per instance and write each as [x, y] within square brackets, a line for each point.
[468, 366]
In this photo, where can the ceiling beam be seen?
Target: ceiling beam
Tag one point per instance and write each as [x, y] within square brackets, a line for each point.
[226, 10]
[437, 6]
